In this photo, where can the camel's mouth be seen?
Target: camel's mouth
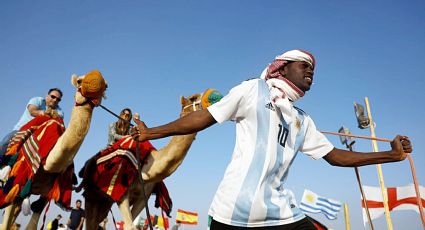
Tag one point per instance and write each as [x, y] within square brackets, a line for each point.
[91, 88]
[93, 85]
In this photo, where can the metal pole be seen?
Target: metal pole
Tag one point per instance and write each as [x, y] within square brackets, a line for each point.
[356, 169]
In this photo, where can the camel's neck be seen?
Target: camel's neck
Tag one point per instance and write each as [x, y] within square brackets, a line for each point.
[163, 163]
[69, 143]
[179, 145]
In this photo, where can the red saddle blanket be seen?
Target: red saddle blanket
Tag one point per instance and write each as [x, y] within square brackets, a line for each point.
[27, 151]
[117, 168]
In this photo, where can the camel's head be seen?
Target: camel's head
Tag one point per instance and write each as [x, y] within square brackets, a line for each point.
[191, 103]
[200, 101]
[91, 88]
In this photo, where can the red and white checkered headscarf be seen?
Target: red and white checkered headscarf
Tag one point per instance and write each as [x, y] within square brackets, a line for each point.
[272, 71]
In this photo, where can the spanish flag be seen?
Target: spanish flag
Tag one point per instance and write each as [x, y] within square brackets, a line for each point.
[185, 217]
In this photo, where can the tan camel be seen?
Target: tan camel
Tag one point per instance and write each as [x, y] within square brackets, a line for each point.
[157, 166]
[90, 90]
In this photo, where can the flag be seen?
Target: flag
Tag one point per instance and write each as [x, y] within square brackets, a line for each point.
[186, 217]
[119, 225]
[399, 198]
[313, 203]
[157, 221]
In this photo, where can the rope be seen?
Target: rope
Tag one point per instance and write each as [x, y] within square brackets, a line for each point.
[113, 219]
[418, 193]
[115, 115]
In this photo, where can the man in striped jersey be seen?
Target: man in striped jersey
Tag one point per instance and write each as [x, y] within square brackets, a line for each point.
[269, 133]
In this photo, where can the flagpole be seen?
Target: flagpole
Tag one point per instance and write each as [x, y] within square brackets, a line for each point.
[356, 170]
[379, 167]
[347, 217]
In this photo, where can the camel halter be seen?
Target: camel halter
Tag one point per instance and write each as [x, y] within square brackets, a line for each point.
[139, 169]
[93, 102]
[194, 104]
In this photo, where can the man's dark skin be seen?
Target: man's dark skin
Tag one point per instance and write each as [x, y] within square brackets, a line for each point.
[301, 75]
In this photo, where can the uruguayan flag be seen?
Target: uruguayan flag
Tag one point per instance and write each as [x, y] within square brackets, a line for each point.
[313, 203]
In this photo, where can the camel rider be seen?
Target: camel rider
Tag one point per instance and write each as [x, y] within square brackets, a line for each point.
[37, 106]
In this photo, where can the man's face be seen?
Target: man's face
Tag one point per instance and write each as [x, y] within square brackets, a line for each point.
[299, 73]
[78, 204]
[53, 99]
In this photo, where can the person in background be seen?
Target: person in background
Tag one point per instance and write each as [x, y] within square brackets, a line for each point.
[177, 226]
[76, 219]
[55, 222]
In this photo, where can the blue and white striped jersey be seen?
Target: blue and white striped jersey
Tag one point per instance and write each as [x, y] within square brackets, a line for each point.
[252, 192]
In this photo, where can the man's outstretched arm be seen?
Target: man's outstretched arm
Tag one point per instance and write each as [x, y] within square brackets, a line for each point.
[400, 147]
[193, 122]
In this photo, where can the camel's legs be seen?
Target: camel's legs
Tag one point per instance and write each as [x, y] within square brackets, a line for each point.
[37, 208]
[96, 212]
[33, 222]
[124, 206]
[8, 216]
[18, 208]
[140, 201]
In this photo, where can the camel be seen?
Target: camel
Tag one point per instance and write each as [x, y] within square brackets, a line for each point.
[58, 163]
[158, 164]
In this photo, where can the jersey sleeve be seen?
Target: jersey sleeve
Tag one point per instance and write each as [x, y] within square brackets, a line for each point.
[315, 144]
[231, 106]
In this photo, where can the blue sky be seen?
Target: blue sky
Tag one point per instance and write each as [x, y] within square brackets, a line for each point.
[153, 52]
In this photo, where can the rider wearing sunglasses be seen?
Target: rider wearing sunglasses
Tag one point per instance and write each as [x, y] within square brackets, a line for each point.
[36, 106]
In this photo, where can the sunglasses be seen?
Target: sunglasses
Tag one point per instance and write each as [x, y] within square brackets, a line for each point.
[58, 99]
